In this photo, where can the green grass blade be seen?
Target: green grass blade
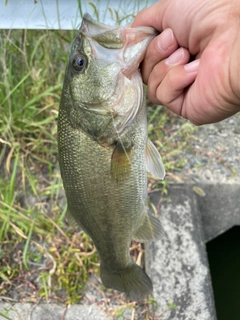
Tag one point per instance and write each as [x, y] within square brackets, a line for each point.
[27, 245]
[15, 88]
[4, 316]
[36, 48]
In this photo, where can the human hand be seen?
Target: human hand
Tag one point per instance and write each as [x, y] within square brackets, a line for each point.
[207, 89]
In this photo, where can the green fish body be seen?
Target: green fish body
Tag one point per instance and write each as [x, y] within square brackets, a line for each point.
[104, 151]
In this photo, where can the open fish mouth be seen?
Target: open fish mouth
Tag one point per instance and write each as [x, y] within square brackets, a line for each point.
[132, 41]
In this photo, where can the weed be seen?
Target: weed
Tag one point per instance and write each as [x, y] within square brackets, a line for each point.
[35, 241]
[5, 316]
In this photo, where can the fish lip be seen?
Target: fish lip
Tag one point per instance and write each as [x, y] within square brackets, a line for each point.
[88, 21]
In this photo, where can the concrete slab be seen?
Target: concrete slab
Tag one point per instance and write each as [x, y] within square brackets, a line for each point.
[28, 311]
[219, 208]
[180, 270]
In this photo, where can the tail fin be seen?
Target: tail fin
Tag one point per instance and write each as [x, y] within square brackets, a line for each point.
[132, 280]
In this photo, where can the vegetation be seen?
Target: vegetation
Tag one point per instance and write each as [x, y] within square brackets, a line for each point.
[42, 256]
[33, 233]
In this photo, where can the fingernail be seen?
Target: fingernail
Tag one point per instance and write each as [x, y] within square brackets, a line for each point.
[175, 57]
[192, 66]
[165, 40]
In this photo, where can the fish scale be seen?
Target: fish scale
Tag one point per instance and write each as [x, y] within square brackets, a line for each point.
[102, 142]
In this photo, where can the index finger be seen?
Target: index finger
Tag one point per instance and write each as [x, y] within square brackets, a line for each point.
[151, 16]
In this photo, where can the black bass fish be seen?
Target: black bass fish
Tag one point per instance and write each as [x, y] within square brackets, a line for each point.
[104, 151]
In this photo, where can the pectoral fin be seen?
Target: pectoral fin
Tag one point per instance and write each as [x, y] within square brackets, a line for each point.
[154, 161]
[121, 161]
[150, 229]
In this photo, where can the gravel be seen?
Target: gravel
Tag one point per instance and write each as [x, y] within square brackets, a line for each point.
[213, 154]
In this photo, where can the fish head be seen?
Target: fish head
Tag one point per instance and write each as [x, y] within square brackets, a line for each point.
[102, 74]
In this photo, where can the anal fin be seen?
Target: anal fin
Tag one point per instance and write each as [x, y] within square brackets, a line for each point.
[150, 229]
[71, 219]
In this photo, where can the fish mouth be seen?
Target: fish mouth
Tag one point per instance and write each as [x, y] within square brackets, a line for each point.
[108, 36]
[126, 44]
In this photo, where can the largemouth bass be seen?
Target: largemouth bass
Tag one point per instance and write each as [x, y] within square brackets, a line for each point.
[104, 151]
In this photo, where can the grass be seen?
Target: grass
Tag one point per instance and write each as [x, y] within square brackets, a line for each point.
[30, 182]
[42, 256]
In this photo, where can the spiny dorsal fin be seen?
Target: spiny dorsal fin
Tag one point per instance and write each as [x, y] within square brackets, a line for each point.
[154, 161]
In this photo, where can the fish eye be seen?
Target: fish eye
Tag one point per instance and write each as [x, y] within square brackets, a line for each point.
[79, 62]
